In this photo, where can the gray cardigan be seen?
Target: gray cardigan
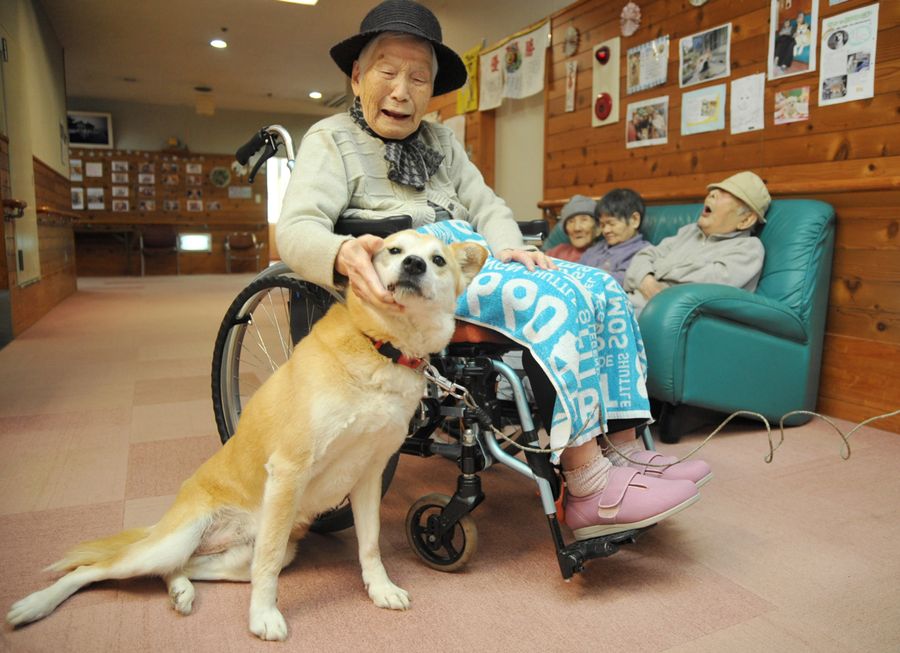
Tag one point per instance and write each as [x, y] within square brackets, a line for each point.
[733, 259]
[341, 170]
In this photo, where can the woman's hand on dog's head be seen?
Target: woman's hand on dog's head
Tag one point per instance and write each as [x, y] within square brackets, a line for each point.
[354, 261]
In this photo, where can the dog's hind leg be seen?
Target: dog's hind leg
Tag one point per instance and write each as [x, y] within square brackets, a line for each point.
[155, 555]
[365, 501]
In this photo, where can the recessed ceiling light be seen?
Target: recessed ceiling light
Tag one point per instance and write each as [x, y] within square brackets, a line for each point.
[301, 2]
[315, 95]
[218, 43]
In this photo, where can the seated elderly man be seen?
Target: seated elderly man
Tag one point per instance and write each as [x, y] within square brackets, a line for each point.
[718, 248]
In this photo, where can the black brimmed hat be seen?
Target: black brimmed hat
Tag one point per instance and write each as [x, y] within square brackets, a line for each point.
[406, 17]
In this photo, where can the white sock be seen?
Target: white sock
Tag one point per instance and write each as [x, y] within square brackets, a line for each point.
[589, 478]
[627, 448]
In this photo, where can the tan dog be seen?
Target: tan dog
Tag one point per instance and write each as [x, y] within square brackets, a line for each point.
[322, 427]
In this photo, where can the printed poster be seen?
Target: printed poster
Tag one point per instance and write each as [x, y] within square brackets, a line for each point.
[703, 110]
[515, 68]
[647, 65]
[647, 122]
[747, 95]
[792, 37]
[848, 56]
[792, 105]
[704, 56]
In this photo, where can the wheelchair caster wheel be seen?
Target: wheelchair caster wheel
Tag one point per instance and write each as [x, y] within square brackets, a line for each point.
[445, 553]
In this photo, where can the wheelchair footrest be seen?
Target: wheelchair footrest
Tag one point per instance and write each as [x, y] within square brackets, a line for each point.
[571, 557]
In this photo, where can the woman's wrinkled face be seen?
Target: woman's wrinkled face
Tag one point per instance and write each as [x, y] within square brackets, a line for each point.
[616, 230]
[395, 89]
[582, 230]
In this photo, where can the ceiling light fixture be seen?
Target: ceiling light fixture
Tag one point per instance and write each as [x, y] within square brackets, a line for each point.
[301, 2]
[218, 43]
[315, 95]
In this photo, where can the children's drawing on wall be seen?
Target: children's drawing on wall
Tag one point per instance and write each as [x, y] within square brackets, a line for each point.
[792, 37]
[705, 56]
[848, 56]
[647, 122]
[747, 94]
[792, 105]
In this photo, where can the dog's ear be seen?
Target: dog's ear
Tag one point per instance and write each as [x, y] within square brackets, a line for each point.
[470, 257]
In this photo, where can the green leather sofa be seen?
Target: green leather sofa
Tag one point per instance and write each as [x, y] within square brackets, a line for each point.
[724, 349]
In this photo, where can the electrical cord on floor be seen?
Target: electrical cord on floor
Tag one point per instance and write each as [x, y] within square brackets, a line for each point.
[482, 417]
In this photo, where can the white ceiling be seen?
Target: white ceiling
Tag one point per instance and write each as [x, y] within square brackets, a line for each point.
[277, 52]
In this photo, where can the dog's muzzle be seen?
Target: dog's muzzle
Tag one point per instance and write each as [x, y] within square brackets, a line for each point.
[412, 269]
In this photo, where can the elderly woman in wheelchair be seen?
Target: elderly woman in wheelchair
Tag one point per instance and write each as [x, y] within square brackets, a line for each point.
[583, 353]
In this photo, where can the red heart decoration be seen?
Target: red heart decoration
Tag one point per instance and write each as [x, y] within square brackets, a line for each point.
[603, 106]
[602, 55]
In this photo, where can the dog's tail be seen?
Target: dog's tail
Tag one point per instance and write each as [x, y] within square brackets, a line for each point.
[102, 550]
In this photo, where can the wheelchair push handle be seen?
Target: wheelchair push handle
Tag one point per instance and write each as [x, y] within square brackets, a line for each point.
[268, 139]
[251, 147]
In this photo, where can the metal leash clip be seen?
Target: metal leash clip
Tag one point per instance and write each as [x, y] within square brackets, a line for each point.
[453, 389]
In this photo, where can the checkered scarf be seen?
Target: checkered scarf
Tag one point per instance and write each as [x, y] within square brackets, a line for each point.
[410, 161]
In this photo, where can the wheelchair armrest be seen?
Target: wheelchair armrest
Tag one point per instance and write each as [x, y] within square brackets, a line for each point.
[348, 226]
[538, 228]
[668, 314]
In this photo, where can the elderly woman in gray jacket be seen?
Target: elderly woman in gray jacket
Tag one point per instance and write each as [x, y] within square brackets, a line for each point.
[380, 159]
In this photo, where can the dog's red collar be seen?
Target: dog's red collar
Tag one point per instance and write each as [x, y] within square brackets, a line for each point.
[388, 350]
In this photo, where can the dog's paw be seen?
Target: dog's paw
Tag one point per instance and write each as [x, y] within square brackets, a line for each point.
[31, 608]
[181, 593]
[268, 624]
[388, 595]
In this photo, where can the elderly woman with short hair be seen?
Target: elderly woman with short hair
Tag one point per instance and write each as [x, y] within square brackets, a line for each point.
[381, 159]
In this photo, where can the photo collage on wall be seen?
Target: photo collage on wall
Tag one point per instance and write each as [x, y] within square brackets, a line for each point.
[841, 47]
[153, 182]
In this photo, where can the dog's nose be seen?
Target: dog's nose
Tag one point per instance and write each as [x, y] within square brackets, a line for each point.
[414, 265]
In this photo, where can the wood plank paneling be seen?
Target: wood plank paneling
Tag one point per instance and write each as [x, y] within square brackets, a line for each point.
[846, 154]
[56, 249]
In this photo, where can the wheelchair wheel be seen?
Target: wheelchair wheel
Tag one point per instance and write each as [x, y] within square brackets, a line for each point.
[448, 553]
[256, 337]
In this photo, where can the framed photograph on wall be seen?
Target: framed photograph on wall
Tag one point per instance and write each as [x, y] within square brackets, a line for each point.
[793, 32]
[90, 129]
[705, 56]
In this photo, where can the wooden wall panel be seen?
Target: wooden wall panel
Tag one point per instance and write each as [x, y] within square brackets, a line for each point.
[480, 133]
[846, 154]
[56, 249]
[107, 240]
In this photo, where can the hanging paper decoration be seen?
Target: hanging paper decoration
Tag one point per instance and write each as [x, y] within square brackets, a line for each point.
[606, 83]
[514, 68]
[630, 19]
[467, 96]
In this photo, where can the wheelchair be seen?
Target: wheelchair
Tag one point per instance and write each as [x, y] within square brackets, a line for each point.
[278, 308]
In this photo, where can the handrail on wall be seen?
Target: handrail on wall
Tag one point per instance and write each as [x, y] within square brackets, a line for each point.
[13, 209]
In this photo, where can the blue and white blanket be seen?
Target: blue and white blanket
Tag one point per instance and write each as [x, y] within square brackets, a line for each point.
[578, 324]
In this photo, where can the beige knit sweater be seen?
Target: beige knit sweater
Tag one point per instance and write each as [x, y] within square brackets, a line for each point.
[341, 171]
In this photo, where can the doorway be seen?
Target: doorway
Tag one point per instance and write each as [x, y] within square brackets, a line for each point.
[7, 230]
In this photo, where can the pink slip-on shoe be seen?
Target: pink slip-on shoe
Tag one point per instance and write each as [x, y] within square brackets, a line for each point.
[630, 500]
[696, 471]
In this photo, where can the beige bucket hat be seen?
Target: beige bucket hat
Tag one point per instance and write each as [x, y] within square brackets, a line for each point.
[750, 189]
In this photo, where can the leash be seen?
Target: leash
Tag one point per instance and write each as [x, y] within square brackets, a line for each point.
[460, 392]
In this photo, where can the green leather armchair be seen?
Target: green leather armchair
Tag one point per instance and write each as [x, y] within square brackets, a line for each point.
[724, 349]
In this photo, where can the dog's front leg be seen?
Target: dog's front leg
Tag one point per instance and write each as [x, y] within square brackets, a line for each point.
[365, 500]
[279, 506]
